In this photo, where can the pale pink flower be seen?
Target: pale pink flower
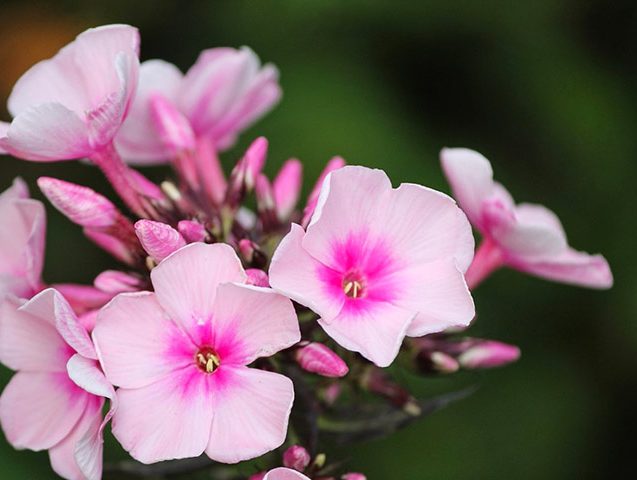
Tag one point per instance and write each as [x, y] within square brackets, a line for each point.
[526, 237]
[378, 263]
[54, 402]
[179, 356]
[72, 105]
[223, 93]
[22, 237]
[282, 473]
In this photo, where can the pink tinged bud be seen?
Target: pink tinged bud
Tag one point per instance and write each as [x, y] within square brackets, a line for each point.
[354, 476]
[258, 476]
[319, 359]
[332, 392]
[172, 126]
[489, 354]
[287, 187]
[144, 186]
[113, 281]
[436, 362]
[265, 197]
[192, 231]
[81, 205]
[158, 239]
[334, 164]
[113, 245]
[247, 249]
[296, 457]
[210, 171]
[255, 160]
[257, 277]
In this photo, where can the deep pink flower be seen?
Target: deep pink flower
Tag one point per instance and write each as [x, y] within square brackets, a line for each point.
[22, 236]
[54, 402]
[282, 473]
[181, 364]
[72, 105]
[526, 237]
[223, 93]
[378, 263]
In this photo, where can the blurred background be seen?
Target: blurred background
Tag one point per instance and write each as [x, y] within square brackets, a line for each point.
[546, 89]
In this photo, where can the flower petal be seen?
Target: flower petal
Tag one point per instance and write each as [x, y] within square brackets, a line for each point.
[283, 473]
[4, 128]
[137, 343]
[251, 412]
[251, 322]
[186, 282]
[70, 328]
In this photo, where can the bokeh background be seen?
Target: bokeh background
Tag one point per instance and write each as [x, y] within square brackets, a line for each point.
[546, 89]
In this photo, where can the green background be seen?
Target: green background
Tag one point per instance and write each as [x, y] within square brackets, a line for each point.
[546, 89]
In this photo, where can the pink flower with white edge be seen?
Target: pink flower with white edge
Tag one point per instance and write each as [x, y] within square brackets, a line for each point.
[22, 238]
[282, 473]
[181, 366]
[378, 263]
[526, 237]
[223, 93]
[54, 401]
[72, 104]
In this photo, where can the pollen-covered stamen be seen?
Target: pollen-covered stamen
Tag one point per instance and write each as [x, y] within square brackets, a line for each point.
[207, 360]
[353, 285]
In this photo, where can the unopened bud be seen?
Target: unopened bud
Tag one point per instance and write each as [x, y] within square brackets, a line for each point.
[488, 354]
[375, 381]
[296, 457]
[287, 187]
[158, 239]
[257, 277]
[334, 164]
[319, 359]
[113, 281]
[192, 231]
[113, 245]
[353, 476]
[255, 160]
[81, 205]
[172, 126]
[258, 476]
[436, 362]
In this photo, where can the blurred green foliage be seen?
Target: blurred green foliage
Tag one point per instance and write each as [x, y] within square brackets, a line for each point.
[546, 89]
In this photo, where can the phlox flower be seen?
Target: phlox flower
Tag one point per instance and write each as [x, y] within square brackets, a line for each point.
[54, 401]
[180, 356]
[526, 237]
[223, 93]
[22, 238]
[71, 105]
[378, 263]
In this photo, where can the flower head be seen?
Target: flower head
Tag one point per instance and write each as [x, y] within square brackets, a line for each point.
[72, 105]
[181, 365]
[378, 263]
[526, 237]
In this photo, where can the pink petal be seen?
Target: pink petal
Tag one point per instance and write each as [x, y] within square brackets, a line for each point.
[28, 342]
[38, 410]
[251, 322]
[241, 427]
[83, 297]
[18, 189]
[137, 353]
[167, 419]
[172, 126]
[376, 331]
[186, 282]
[287, 187]
[69, 327]
[294, 273]
[471, 178]
[137, 140]
[282, 473]
[158, 239]
[87, 375]
[4, 128]
[62, 455]
[114, 281]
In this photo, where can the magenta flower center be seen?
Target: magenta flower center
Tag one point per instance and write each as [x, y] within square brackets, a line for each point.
[353, 285]
[207, 360]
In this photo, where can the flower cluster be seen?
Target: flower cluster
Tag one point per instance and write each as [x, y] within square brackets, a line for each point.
[217, 315]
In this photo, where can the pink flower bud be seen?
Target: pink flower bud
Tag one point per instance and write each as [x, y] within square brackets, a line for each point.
[488, 354]
[265, 197]
[332, 392]
[287, 187]
[247, 248]
[173, 127]
[296, 457]
[80, 204]
[144, 186]
[113, 245]
[319, 359]
[158, 239]
[258, 476]
[257, 277]
[436, 362]
[354, 476]
[113, 281]
[255, 160]
[210, 171]
[192, 231]
[334, 164]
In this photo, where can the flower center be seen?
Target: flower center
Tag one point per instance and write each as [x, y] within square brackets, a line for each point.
[353, 285]
[207, 360]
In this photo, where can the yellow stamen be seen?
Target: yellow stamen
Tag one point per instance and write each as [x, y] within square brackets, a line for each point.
[207, 361]
[353, 288]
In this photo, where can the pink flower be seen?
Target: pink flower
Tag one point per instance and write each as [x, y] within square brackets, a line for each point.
[223, 93]
[71, 105]
[22, 237]
[378, 263]
[526, 237]
[181, 364]
[282, 473]
[54, 402]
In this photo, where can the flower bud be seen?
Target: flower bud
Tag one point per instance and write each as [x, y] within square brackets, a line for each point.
[111, 244]
[209, 167]
[172, 126]
[334, 164]
[113, 281]
[353, 476]
[81, 205]
[286, 187]
[158, 239]
[296, 457]
[488, 354]
[192, 231]
[255, 160]
[319, 359]
[257, 277]
[258, 476]
[436, 362]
